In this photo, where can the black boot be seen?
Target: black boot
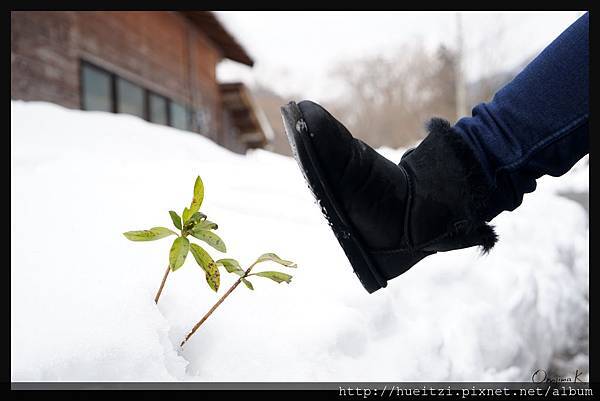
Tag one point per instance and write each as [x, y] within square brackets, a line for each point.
[387, 217]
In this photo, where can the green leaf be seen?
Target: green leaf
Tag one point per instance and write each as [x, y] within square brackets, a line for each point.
[198, 195]
[207, 264]
[186, 215]
[231, 265]
[202, 257]
[178, 253]
[272, 257]
[176, 219]
[194, 220]
[248, 284]
[210, 238]
[206, 225]
[213, 280]
[149, 235]
[197, 217]
[275, 276]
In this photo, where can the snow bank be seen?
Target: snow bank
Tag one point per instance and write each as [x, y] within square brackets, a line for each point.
[82, 295]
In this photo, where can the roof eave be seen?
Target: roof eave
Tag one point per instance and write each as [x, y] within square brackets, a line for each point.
[208, 23]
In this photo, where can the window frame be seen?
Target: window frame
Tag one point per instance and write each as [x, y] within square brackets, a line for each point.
[187, 114]
[167, 108]
[114, 100]
[112, 96]
[145, 111]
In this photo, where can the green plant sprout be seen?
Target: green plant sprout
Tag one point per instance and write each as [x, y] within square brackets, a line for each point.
[195, 223]
[232, 266]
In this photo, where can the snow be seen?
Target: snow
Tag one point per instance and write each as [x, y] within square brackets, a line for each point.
[82, 295]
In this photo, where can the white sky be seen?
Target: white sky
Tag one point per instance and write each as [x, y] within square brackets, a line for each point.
[295, 51]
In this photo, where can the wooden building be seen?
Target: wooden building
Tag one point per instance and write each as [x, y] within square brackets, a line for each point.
[158, 65]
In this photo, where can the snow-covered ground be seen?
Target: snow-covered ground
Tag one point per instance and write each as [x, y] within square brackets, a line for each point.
[82, 295]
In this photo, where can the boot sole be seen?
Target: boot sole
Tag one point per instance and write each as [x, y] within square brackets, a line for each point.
[304, 153]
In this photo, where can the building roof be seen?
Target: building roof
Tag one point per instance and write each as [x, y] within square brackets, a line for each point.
[250, 120]
[208, 23]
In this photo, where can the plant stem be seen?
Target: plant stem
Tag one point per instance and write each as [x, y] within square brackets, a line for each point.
[162, 284]
[215, 306]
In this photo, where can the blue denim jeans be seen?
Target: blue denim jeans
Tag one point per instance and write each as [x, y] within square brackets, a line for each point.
[538, 123]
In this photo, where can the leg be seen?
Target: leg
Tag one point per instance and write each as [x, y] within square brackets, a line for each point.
[537, 124]
[441, 195]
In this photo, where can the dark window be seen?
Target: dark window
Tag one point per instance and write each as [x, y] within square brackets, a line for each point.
[130, 98]
[96, 89]
[179, 116]
[105, 91]
[158, 109]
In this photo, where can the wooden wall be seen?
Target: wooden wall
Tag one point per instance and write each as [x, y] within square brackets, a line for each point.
[159, 50]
